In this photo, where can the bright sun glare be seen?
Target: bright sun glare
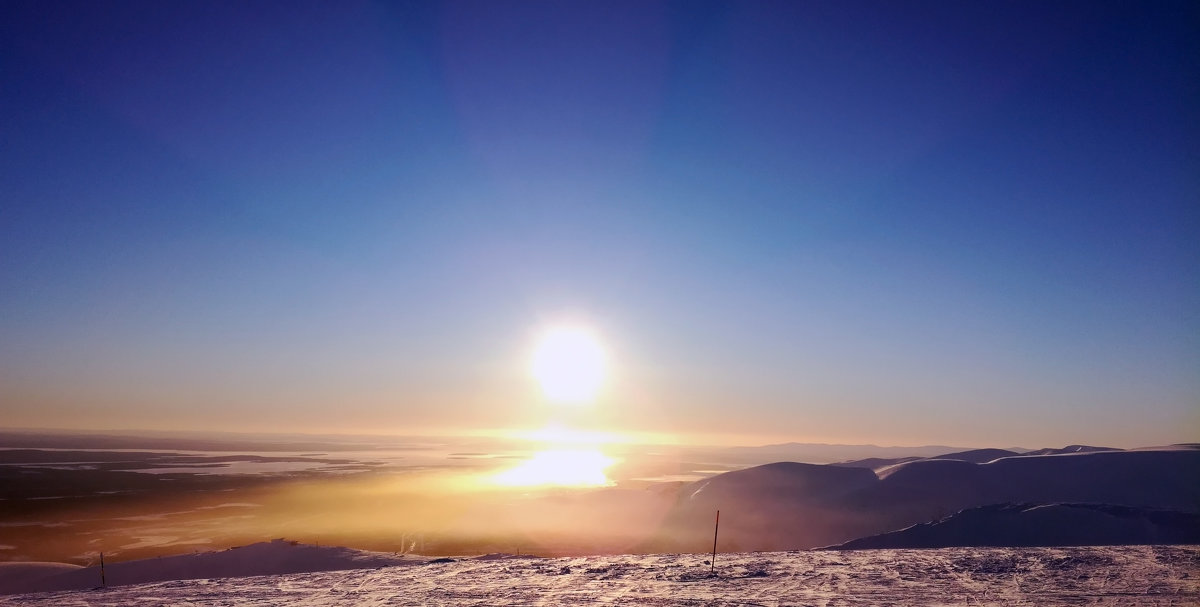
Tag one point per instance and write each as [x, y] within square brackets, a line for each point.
[569, 364]
[561, 467]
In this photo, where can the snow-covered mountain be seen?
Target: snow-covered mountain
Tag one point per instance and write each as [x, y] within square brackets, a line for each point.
[788, 505]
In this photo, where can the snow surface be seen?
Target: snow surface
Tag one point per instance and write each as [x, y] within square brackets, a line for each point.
[264, 558]
[1123, 575]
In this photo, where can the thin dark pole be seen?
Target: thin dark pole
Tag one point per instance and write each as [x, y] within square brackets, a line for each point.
[102, 580]
[716, 527]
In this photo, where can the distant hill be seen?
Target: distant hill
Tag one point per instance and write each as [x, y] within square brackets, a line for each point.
[1014, 525]
[1071, 449]
[821, 453]
[1151, 479]
[978, 456]
[875, 463]
[785, 506]
[975, 456]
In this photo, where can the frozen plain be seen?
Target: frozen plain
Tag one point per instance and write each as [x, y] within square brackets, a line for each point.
[1121, 575]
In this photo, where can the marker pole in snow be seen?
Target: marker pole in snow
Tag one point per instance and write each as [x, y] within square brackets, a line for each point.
[716, 527]
[103, 583]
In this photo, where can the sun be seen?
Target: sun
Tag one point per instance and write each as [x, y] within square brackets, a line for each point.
[569, 363]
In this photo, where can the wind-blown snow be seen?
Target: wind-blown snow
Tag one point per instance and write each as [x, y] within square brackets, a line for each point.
[1110, 576]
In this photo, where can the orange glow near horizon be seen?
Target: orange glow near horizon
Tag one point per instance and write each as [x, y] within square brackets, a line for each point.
[561, 468]
[567, 457]
[557, 434]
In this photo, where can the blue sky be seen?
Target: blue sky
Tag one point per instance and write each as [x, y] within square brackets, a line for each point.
[966, 223]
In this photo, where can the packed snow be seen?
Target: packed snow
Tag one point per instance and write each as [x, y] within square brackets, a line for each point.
[1110, 576]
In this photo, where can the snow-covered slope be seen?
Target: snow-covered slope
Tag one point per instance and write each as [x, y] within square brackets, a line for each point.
[264, 558]
[1128, 575]
[1043, 525]
[20, 576]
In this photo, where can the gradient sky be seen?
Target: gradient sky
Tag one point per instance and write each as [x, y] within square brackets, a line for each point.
[968, 223]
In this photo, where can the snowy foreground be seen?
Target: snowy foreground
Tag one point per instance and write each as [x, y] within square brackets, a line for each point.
[1124, 575]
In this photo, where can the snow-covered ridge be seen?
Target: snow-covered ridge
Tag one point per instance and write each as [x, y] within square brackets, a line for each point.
[790, 505]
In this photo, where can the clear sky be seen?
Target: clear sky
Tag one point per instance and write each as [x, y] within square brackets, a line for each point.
[969, 223]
